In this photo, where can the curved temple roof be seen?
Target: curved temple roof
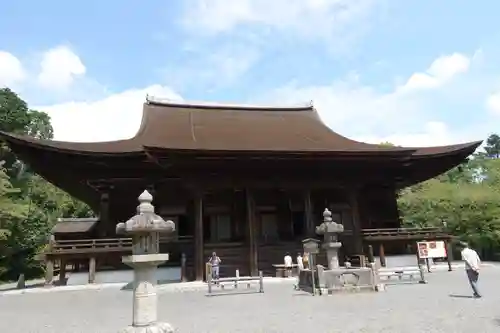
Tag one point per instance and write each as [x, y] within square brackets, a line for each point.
[224, 130]
[231, 128]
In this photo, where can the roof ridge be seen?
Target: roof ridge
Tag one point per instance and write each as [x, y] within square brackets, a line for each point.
[222, 105]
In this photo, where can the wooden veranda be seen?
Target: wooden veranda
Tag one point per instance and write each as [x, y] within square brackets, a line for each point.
[92, 250]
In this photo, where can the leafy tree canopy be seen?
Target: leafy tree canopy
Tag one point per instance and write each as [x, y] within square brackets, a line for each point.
[465, 199]
[492, 146]
[29, 205]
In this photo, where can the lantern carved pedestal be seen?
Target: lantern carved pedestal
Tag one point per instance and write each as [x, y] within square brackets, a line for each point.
[330, 230]
[334, 278]
[145, 228]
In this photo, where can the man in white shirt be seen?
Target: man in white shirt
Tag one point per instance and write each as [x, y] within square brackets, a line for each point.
[288, 264]
[472, 266]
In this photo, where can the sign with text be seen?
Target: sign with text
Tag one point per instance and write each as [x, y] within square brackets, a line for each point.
[433, 249]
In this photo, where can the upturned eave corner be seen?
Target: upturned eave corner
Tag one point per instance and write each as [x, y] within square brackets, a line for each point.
[467, 148]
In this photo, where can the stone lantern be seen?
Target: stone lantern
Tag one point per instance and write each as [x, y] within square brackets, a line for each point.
[330, 230]
[145, 229]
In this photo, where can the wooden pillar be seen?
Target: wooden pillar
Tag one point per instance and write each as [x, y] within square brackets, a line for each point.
[104, 228]
[284, 215]
[49, 271]
[356, 221]
[62, 272]
[308, 214]
[449, 254]
[92, 269]
[370, 254]
[252, 234]
[49, 261]
[183, 267]
[381, 253]
[199, 260]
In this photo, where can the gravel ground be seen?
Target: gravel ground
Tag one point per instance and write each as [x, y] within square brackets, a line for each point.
[443, 305]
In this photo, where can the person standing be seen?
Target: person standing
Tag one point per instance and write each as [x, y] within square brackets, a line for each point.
[300, 267]
[288, 264]
[300, 262]
[472, 266]
[215, 261]
[305, 260]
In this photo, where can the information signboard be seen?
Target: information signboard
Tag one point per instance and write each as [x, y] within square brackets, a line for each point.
[432, 249]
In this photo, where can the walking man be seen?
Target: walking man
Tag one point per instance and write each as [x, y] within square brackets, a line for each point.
[472, 266]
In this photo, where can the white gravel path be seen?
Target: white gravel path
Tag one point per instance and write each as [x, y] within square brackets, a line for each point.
[440, 306]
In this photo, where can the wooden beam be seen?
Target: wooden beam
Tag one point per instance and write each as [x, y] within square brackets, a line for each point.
[62, 271]
[356, 220]
[381, 254]
[284, 216]
[198, 237]
[406, 238]
[49, 271]
[449, 254]
[252, 234]
[92, 269]
[104, 225]
[308, 214]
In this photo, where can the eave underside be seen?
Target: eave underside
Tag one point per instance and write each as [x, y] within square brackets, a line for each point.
[81, 174]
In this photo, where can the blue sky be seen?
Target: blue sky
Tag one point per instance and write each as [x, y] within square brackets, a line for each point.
[412, 72]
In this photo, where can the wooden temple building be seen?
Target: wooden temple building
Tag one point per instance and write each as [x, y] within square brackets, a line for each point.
[248, 182]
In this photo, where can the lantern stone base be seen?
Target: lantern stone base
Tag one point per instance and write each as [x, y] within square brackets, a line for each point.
[145, 298]
[338, 280]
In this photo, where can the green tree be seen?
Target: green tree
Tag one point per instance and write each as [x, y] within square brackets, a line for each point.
[492, 146]
[30, 205]
[14, 112]
[11, 212]
[466, 204]
[39, 126]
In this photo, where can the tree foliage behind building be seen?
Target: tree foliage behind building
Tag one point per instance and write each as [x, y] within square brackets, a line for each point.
[29, 205]
[465, 200]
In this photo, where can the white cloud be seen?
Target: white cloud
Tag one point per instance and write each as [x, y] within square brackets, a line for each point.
[117, 116]
[59, 68]
[321, 18]
[358, 111]
[363, 113]
[441, 71]
[432, 133]
[11, 69]
[347, 107]
[493, 103]
[216, 69]
[112, 118]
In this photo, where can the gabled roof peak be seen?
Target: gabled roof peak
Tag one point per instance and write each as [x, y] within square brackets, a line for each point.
[152, 100]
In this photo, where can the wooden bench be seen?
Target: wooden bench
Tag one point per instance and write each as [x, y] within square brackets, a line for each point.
[234, 282]
[282, 271]
[405, 274]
